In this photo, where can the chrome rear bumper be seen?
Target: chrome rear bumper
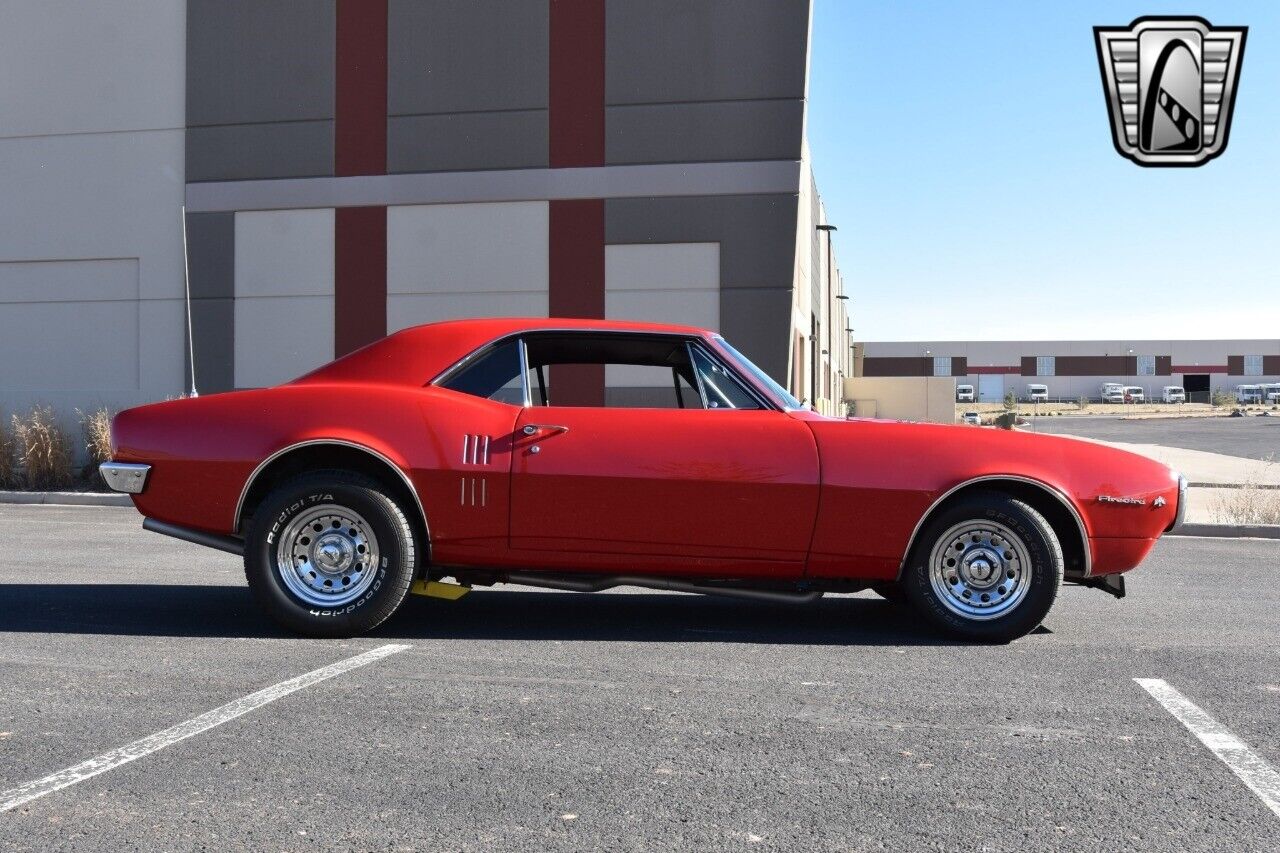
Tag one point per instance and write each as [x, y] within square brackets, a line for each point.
[130, 477]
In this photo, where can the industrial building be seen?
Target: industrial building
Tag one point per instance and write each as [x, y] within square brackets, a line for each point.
[353, 167]
[1074, 369]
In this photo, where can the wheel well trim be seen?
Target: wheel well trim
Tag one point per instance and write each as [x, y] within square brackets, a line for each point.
[339, 442]
[1052, 491]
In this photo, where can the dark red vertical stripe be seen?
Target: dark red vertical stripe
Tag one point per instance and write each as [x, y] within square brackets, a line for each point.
[360, 98]
[576, 67]
[576, 138]
[360, 148]
[360, 277]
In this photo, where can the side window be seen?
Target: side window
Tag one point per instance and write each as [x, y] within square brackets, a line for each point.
[495, 375]
[599, 369]
[721, 388]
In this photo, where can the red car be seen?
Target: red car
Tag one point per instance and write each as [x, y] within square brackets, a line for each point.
[584, 454]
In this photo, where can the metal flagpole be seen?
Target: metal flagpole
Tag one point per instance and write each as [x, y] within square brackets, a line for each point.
[186, 280]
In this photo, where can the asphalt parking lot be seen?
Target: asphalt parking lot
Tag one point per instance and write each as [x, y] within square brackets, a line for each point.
[522, 720]
[1248, 437]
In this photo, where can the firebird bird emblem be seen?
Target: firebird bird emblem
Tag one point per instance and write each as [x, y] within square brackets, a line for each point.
[1112, 499]
[1158, 502]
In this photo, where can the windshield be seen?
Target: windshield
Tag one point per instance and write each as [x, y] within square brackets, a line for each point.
[763, 378]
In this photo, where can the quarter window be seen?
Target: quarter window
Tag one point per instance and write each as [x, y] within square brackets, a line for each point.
[494, 375]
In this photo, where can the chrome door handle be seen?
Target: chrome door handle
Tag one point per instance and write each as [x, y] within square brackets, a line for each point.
[534, 429]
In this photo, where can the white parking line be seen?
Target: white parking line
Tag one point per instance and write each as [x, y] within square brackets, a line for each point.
[123, 755]
[1252, 768]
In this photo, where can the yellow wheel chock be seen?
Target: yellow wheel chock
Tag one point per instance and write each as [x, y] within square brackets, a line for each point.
[439, 589]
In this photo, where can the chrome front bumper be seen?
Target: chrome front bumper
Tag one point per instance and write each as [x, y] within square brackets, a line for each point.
[1182, 505]
[130, 477]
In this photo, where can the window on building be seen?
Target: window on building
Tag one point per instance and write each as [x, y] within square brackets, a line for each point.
[1045, 365]
[1253, 365]
[1146, 365]
[942, 365]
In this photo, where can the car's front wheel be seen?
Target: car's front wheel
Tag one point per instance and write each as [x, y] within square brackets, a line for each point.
[987, 568]
[329, 554]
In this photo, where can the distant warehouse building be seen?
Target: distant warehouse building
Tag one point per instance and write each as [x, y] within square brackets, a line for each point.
[1074, 369]
[353, 167]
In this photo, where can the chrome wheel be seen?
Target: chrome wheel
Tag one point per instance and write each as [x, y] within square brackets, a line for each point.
[980, 570]
[327, 556]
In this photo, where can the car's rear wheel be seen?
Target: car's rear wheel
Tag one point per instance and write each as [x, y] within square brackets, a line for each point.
[987, 568]
[329, 554]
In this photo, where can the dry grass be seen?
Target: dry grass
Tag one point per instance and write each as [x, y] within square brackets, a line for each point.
[8, 475]
[1252, 503]
[43, 450]
[96, 429]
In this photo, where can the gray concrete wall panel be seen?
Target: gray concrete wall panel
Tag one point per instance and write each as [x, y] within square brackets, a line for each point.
[105, 66]
[211, 244]
[756, 233]
[259, 60]
[721, 130]
[242, 152]
[466, 141]
[448, 56]
[663, 51]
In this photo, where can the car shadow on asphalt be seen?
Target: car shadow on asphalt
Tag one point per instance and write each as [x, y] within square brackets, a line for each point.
[229, 611]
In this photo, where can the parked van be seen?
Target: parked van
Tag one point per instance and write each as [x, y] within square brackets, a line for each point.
[1173, 394]
[1134, 394]
[1037, 393]
[1112, 392]
[964, 393]
[1248, 394]
[1270, 392]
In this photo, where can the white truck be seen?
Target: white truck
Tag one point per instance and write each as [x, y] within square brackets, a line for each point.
[1134, 394]
[1037, 393]
[1173, 394]
[1270, 392]
[964, 393]
[1246, 394]
[1112, 392]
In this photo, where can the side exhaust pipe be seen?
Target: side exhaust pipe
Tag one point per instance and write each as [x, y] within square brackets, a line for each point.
[230, 544]
[666, 584]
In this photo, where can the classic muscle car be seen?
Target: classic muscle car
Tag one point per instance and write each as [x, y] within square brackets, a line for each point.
[584, 454]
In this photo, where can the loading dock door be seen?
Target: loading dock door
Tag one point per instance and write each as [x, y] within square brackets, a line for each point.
[1197, 387]
[991, 388]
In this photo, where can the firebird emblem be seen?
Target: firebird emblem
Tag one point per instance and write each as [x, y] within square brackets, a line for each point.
[1112, 499]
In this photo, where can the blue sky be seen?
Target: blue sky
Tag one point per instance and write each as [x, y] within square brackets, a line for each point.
[964, 152]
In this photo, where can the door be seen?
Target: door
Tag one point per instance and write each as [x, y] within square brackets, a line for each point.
[991, 388]
[711, 483]
[683, 461]
[1197, 387]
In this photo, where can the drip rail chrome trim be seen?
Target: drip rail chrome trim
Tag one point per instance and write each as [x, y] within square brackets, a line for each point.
[1017, 478]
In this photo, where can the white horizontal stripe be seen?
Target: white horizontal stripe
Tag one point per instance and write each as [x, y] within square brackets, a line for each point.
[110, 760]
[1251, 768]
[666, 179]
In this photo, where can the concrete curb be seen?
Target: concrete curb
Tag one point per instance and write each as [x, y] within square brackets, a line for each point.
[1230, 531]
[66, 498]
